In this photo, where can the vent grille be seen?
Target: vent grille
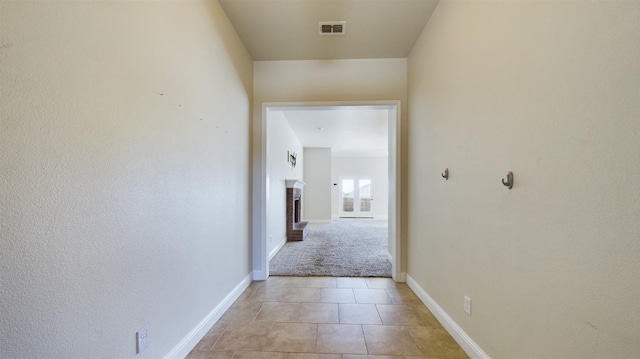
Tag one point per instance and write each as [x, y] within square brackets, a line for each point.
[332, 27]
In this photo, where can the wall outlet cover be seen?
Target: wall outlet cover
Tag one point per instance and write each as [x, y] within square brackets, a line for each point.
[467, 305]
[142, 339]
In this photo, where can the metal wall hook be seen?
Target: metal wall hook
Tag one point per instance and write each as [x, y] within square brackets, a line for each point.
[445, 175]
[509, 181]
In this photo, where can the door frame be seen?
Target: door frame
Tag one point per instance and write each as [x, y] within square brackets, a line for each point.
[260, 254]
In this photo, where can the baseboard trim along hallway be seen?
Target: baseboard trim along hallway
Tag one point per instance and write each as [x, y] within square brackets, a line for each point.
[277, 248]
[464, 340]
[189, 342]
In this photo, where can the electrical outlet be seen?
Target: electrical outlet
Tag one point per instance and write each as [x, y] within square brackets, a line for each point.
[142, 339]
[467, 305]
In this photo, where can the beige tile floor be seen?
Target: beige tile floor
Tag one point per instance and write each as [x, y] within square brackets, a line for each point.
[327, 318]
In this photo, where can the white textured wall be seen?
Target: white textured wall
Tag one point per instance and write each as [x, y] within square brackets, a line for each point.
[549, 90]
[280, 139]
[375, 167]
[124, 174]
[317, 190]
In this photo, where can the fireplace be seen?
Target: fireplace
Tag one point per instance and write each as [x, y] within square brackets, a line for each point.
[296, 229]
[296, 210]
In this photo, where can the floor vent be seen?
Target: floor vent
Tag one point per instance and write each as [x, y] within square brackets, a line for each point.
[332, 27]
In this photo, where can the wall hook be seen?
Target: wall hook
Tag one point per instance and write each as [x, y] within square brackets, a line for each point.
[509, 181]
[445, 175]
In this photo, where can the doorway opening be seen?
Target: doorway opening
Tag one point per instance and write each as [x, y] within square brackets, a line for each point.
[264, 184]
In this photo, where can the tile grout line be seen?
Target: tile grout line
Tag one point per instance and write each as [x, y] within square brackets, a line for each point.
[366, 344]
[218, 339]
[378, 312]
[315, 347]
[415, 342]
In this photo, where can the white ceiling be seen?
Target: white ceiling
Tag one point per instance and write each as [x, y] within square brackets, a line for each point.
[288, 29]
[349, 131]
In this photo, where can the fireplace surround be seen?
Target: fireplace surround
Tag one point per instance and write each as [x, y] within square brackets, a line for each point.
[296, 229]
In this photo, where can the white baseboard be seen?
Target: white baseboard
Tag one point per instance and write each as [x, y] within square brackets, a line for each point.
[277, 248]
[196, 334]
[400, 277]
[464, 340]
[318, 220]
[259, 275]
[386, 218]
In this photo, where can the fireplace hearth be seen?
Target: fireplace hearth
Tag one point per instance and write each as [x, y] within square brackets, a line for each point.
[296, 229]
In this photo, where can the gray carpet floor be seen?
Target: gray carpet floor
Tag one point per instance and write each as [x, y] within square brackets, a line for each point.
[342, 248]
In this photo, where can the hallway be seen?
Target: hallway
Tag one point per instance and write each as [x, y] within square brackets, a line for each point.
[136, 197]
[296, 317]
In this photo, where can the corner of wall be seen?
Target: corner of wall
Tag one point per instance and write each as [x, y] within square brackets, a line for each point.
[464, 340]
[184, 347]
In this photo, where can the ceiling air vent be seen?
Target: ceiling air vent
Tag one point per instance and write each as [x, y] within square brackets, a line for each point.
[332, 27]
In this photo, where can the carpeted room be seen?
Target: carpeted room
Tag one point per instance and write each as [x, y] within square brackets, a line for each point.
[341, 248]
